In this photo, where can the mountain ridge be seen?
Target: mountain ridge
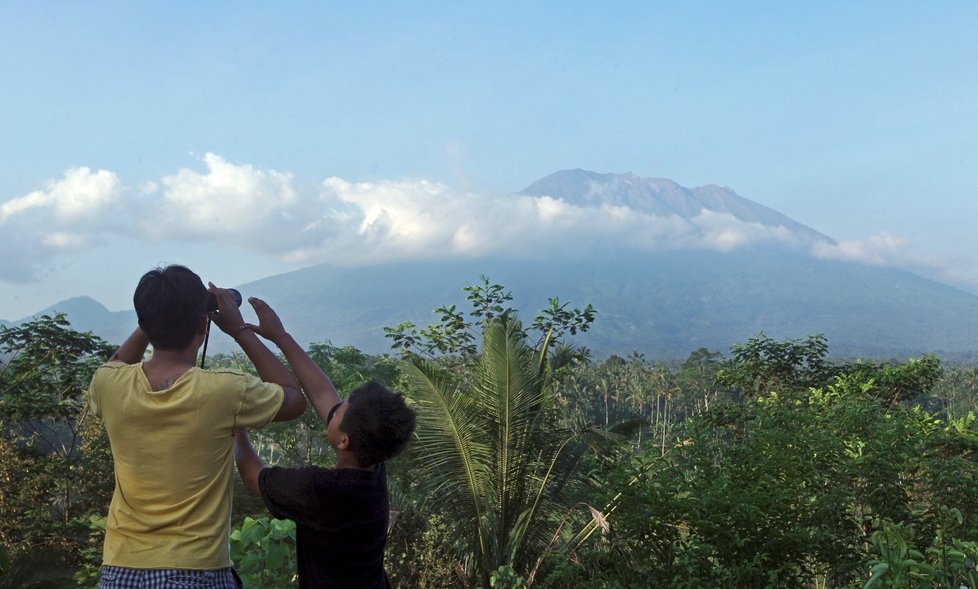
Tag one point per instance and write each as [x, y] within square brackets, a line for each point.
[660, 196]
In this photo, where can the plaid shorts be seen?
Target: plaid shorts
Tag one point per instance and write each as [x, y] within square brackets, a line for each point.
[125, 578]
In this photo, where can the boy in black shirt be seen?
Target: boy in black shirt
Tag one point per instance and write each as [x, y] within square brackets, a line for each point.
[341, 514]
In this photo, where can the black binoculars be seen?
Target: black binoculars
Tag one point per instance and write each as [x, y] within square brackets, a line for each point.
[212, 300]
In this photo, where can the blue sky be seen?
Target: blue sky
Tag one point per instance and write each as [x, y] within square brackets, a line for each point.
[250, 138]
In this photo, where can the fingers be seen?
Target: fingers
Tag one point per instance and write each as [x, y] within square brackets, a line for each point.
[259, 305]
[269, 324]
[228, 316]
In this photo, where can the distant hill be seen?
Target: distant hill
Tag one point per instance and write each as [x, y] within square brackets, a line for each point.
[663, 304]
[86, 314]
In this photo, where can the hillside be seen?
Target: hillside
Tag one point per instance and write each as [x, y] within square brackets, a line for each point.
[663, 305]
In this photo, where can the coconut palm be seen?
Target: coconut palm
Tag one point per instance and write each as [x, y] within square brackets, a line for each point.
[493, 454]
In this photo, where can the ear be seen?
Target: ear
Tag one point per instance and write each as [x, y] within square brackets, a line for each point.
[343, 443]
[202, 328]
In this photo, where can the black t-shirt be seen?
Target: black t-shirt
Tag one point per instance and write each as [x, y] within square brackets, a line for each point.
[340, 516]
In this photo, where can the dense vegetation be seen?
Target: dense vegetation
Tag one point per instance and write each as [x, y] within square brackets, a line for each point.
[536, 466]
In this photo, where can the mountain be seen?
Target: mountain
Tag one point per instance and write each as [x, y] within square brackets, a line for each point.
[86, 314]
[664, 304]
[659, 196]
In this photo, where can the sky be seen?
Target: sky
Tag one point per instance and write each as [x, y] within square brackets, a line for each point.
[247, 139]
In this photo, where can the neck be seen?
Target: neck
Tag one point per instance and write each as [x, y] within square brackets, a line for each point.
[184, 357]
[348, 460]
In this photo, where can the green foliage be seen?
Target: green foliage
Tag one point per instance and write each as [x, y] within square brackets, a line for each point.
[416, 553]
[455, 335]
[762, 365]
[492, 454]
[783, 491]
[506, 578]
[855, 475]
[87, 574]
[900, 565]
[52, 469]
[39, 567]
[262, 550]
[895, 384]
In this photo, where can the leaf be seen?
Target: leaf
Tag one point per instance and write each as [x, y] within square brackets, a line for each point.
[600, 520]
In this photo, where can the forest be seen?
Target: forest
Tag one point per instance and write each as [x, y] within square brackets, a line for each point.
[772, 464]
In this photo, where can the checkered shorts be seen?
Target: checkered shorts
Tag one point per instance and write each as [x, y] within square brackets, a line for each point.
[125, 578]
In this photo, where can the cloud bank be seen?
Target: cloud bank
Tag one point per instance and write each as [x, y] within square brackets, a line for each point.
[354, 223]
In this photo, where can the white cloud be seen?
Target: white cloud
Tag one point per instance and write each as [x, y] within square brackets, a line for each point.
[724, 232]
[886, 249]
[228, 202]
[378, 221]
[66, 213]
[259, 212]
[62, 240]
[79, 195]
[881, 249]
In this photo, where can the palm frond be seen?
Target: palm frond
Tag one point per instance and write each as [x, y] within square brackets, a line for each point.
[454, 454]
[494, 454]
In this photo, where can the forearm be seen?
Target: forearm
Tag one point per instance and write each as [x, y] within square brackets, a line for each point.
[249, 464]
[133, 349]
[271, 369]
[268, 366]
[316, 385]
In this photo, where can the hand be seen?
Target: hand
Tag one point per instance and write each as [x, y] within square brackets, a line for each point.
[228, 316]
[269, 325]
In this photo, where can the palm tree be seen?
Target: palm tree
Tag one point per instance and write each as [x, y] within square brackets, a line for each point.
[493, 455]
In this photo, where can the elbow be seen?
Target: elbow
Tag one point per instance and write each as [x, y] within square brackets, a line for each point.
[293, 405]
[249, 476]
[252, 486]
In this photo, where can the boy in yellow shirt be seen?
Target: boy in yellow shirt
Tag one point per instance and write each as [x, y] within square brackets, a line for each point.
[171, 427]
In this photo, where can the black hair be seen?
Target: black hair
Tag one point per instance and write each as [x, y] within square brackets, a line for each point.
[378, 422]
[170, 303]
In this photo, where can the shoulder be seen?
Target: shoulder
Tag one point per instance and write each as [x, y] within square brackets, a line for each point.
[222, 373]
[113, 365]
[114, 369]
[310, 474]
[297, 482]
[228, 379]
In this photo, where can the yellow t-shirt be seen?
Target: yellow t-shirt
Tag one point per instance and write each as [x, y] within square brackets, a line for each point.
[173, 451]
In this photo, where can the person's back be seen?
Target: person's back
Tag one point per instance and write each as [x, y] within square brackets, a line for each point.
[172, 454]
[170, 426]
[341, 517]
[341, 514]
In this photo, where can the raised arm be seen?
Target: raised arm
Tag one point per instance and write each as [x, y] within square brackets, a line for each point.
[133, 349]
[317, 386]
[249, 464]
[270, 368]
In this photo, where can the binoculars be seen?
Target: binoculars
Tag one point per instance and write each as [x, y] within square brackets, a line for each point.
[212, 300]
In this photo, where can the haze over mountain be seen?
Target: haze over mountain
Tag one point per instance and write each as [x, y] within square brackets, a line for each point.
[688, 268]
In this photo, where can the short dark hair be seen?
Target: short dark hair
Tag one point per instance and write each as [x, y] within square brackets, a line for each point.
[170, 303]
[378, 422]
